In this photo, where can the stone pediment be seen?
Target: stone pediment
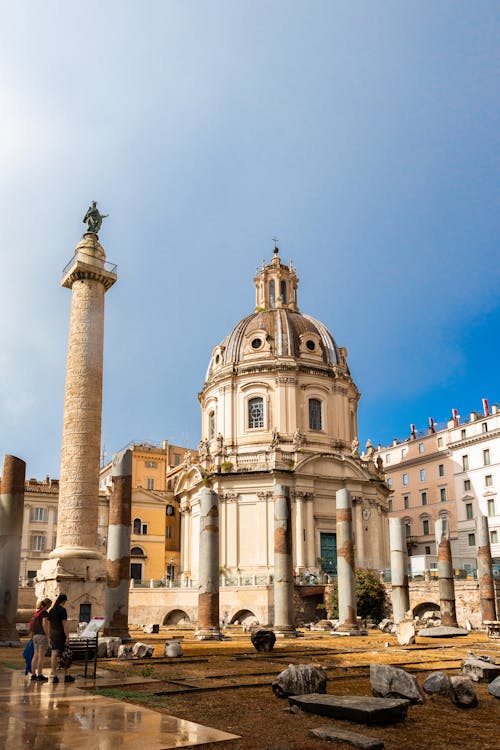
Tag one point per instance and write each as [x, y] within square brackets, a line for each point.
[332, 465]
[187, 479]
[140, 494]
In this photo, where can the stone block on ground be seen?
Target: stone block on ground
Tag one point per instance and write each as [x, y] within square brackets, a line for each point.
[331, 733]
[405, 633]
[463, 694]
[113, 644]
[386, 625]
[299, 679]
[124, 652]
[480, 670]
[391, 682]
[442, 631]
[494, 687]
[263, 640]
[358, 708]
[438, 683]
[142, 650]
[173, 649]
[151, 628]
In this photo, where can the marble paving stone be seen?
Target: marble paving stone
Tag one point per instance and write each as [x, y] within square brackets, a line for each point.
[359, 708]
[63, 717]
[332, 733]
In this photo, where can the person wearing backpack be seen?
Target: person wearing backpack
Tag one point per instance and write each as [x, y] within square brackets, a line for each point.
[59, 636]
[40, 629]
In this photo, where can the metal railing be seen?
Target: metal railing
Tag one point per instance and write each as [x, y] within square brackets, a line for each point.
[106, 265]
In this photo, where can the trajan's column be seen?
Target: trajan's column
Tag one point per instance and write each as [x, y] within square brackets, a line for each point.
[76, 567]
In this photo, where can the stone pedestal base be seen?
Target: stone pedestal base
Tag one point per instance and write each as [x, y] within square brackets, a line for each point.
[82, 580]
[208, 634]
[349, 632]
[284, 631]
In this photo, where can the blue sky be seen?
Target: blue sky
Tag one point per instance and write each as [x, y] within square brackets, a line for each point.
[363, 134]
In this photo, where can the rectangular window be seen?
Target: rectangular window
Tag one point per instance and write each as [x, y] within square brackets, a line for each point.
[488, 480]
[494, 536]
[151, 464]
[486, 457]
[427, 550]
[315, 421]
[389, 481]
[150, 483]
[469, 514]
[404, 452]
[463, 434]
[423, 496]
[425, 526]
[421, 448]
[484, 427]
[442, 494]
[441, 470]
[440, 442]
[471, 540]
[405, 480]
[406, 501]
[390, 505]
[255, 413]
[422, 475]
[177, 459]
[491, 506]
[38, 542]
[466, 485]
[144, 528]
[465, 463]
[39, 514]
[388, 458]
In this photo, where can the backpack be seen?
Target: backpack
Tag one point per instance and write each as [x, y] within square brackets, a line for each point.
[33, 621]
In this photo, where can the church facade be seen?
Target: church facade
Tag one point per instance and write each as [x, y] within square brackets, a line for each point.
[279, 407]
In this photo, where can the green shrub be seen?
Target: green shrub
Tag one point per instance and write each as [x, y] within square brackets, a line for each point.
[371, 598]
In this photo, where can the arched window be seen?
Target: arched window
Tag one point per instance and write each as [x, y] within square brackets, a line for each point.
[211, 425]
[137, 552]
[255, 413]
[283, 292]
[137, 526]
[272, 294]
[315, 421]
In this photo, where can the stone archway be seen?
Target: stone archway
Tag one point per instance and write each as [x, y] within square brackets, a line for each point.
[176, 617]
[244, 617]
[420, 609]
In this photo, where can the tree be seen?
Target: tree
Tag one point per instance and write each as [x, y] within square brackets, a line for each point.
[371, 597]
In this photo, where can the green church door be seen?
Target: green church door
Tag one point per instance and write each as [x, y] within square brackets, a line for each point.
[329, 552]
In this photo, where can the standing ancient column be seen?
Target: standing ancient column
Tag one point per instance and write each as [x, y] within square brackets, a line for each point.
[445, 577]
[345, 562]
[11, 529]
[485, 569]
[208, 589]
[284, 614]
[399, 569]
[76, 558]
[118, 554]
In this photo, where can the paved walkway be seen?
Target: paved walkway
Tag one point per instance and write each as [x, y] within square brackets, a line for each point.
[44, 716]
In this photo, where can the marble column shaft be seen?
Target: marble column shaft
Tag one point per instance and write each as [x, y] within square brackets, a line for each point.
[11, 529]
[118, 552]
[399, 569]
[445, 578]
[284, 614]
[208, 591]
[346, 580]
[485, 570]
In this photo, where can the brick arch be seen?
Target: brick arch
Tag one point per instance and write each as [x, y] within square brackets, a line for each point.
[419, 610]
[176, 617]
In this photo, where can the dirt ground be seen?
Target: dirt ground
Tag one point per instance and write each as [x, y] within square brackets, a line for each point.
[227, 685]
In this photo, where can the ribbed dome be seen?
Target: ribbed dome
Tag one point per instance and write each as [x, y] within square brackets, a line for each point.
[276, 333]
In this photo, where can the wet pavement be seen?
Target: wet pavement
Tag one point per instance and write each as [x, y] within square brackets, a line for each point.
[64, 716]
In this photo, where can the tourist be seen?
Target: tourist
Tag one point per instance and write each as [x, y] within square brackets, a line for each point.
[40, 629]
[59, 636]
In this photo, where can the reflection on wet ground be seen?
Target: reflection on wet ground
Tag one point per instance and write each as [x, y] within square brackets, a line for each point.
[44, 716]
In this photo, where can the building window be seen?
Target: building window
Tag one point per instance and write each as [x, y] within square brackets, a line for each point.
[137, 552]
[442, 494]
[465, 463]
[423, 496]
[406, 501]
[425, 526]
[39, 514]
[405, 480]
[484, 427]
[177, 459]
[469, 513]
[389, 481]
[491, 506]
[272, 294]
[441, 470]
[421, 448]
[255, 413]
[494, 537]
[407, 529]
[422, 475]
[139, 527]
[488, 480]
[211, 425]
[283, 292]
[151, 464]
[440, 442]
[466, 485]
[463, 434]
[427, 550]
[486, 457]
[38, 542]
[315, 422]
[471, 540]
[404, 452]
[388, 458]
[169, 510]
[390, 505]
[150, 483]
[168, 532]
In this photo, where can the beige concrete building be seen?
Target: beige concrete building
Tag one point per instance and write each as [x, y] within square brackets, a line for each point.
[279, 406]
[39, 526]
